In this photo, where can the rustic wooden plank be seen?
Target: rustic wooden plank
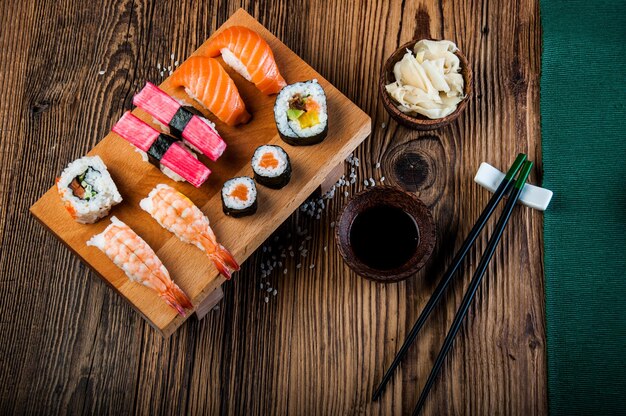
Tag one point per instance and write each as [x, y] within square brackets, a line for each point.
[319, 347]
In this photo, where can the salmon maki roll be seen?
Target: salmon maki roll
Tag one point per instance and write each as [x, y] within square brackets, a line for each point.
[246, 52]
[207, 82]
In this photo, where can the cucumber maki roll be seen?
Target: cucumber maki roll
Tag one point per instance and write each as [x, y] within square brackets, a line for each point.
[239, 197]
[271, 166]
[300, 113]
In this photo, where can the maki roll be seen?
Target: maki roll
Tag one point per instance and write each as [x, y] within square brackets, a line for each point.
[184, 122]
[87, 190]
[300, 113]
[271, 166]
[239, 197]
[163, 151]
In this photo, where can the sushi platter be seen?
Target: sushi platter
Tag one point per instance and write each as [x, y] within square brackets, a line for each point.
[226, 167]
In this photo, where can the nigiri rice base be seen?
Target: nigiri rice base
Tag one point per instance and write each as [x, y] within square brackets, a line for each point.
[234, 62]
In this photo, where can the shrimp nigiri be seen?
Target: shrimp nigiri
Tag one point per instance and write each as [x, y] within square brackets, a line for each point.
[177, 214]
[132, 254]
[208, 83]
[248, 53]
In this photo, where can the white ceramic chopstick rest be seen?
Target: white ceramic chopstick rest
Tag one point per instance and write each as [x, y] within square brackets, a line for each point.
[532, 196]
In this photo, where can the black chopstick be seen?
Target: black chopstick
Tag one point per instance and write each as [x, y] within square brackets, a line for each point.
[475, 282]
[502, 190]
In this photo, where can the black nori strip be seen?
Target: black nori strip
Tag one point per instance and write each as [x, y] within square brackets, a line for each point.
[238, 213]
[305, 141]
[159, 147]
[275, 182]
[180, 120]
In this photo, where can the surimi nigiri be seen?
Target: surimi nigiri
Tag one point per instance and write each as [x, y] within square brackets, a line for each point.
[246, 52]
[208, 83]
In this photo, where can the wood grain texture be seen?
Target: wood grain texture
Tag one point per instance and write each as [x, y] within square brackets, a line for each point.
[70, 344]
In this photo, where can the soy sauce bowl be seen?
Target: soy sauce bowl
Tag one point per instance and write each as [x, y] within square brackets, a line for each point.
[386, 196]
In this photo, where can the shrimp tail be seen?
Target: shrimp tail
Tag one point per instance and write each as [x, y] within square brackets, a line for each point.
[224, 261]
[177, 299]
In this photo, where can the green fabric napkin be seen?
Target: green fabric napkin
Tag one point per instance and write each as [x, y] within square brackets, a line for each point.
[583, 118]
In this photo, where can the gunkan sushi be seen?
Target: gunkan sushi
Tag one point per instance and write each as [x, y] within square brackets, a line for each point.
[271, 166]
[87, 189]
[239, 197]
[301, 114]
[184, 122]
[163, 151]
[248, 53]
[208, 83]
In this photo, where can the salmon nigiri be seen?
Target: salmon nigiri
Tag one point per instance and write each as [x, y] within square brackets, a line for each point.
[208, 83]
[248, 54]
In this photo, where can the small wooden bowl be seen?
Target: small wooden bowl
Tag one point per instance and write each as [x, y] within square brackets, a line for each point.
[418, 121]
[388, 196]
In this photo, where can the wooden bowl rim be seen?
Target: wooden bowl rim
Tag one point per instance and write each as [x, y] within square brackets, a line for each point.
[419, 120]
[385, 195]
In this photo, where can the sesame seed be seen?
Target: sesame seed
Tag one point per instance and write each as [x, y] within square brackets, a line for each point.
[101, 72]
[382, 179]
[298, 265]
[377, 165]
[312, 266]
[346, 193]
[158, 66]
[383, 125]
[285, 271]
[267, 299]
[176, 63]
[275, 292]
[172, 56]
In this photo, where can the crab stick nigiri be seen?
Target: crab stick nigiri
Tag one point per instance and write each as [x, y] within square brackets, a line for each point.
[246, 52]
[208, 83]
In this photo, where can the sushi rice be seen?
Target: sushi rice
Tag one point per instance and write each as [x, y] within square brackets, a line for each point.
[290, 130]
[94, 192]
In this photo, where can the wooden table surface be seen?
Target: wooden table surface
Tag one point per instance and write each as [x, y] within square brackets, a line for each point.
[70, 344]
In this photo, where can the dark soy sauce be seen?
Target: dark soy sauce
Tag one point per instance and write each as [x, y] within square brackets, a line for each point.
[384, 237]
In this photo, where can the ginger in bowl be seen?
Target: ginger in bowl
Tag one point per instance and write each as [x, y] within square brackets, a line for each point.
[425, 84]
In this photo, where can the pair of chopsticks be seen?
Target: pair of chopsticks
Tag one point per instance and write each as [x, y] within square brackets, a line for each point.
[509, 186]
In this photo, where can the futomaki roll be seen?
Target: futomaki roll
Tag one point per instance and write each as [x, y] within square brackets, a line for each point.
[271, 166]
[87, 189]
[301, 114]
[239, 197]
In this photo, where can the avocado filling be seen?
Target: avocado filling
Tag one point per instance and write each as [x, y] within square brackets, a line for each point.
[80, 186]
[304, 110]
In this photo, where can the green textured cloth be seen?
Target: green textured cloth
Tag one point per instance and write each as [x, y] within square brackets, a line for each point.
[583, 117]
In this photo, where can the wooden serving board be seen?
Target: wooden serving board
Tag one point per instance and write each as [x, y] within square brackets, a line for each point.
[190, 268]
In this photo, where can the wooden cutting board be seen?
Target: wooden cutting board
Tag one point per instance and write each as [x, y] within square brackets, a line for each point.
[189, 267]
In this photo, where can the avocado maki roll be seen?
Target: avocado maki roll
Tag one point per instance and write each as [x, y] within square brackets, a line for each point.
[271, 166]
[239, 197]
[301, 114]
